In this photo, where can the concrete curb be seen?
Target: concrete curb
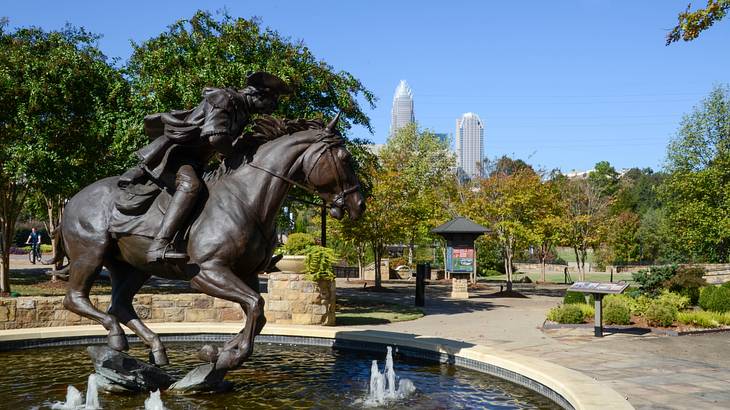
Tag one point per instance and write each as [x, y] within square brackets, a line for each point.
[579, 390]
[547, 325]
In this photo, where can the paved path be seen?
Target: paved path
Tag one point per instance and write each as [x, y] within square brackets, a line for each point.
[654, 372]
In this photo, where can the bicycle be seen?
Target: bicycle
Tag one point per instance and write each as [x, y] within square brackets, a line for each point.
[35, 253]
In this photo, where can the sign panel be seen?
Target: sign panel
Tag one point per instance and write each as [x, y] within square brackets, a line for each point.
[460, 260]
[598, 287]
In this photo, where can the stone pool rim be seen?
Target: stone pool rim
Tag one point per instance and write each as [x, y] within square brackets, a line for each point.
[567, 388]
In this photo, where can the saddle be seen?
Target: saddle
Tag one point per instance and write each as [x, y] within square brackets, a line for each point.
[139, 209]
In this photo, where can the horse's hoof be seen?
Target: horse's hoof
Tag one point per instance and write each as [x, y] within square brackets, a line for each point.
[209, 354]
[118, 342]
[159, 357]
[228, 360]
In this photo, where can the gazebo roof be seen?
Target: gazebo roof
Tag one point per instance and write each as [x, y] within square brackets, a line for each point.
[460, 225]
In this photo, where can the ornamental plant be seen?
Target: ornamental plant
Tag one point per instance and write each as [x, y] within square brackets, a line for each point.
[660, 313]
[715, 298]
[318, 263]
[570, 313]
[616, 310]
[297, 243]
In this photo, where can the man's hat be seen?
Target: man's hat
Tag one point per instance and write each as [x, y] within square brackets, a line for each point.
[268, 82]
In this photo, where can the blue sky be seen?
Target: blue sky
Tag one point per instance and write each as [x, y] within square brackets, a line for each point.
[559, 84]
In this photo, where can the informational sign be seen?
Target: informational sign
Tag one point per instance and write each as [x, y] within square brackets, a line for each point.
[598, 287]
[460, 259]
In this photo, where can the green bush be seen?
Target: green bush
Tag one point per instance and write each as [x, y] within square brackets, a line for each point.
[318, 263]
[576, 297]
[699, 318]
[570, 313]
[639, 304]
[687, 282]
[725, 285]
[297, 243]
[588, 310]
[715, 299]
[675, 299]
[660, 313]
[653, 279]
[616, 310]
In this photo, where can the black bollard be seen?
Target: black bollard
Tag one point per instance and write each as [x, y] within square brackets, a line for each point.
[420, 284]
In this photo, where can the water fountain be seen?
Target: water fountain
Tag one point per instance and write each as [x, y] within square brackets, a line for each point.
[383, 387]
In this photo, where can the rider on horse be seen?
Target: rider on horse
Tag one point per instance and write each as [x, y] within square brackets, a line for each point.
[186, 140]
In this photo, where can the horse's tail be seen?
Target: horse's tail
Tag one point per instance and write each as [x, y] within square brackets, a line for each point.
[59, 251]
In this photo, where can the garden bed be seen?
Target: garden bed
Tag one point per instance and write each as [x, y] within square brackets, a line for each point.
[637, 328]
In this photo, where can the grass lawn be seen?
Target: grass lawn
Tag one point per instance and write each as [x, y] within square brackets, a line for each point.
[568, 255]
[361, 311]
[560, 278]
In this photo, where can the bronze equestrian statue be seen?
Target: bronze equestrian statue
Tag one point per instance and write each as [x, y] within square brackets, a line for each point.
[185, 141]
[231, 234]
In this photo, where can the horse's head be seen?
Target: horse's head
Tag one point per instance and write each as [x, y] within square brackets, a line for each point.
[327, 168]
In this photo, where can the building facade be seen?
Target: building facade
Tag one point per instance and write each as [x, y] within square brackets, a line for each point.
[469, 145]
[402, 112]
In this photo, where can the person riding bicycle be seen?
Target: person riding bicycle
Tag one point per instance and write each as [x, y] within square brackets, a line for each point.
[34, 240]
[186, 140]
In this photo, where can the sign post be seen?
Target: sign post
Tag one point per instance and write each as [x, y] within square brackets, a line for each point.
[598, 289]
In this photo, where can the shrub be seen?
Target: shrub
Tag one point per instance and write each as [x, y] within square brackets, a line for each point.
[616, 310]
[715, 299]
[570, 313]
[687, 281]
[297, 243]
[675, 299]
[588, 310]
[639, 304]
[725, 285]
[652, 279]
[660, 313]
[575, 297]
[699, 318]
[318, 263]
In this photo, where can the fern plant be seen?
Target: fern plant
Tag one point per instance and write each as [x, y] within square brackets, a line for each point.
[318, 263]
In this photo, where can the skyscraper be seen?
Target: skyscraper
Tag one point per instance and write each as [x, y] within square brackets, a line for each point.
[469, 144]
[402, 111]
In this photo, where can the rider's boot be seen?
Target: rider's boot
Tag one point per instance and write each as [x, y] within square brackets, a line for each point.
[161, 249]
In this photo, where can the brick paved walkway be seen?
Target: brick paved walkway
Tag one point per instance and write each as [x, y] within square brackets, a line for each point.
[654, 372]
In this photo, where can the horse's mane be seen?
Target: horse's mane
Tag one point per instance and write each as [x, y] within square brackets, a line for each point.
[264, 129]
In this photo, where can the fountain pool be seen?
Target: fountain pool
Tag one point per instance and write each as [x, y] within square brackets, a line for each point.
[277, 376]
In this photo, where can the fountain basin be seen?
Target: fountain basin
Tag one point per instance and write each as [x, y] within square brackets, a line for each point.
[567, 388]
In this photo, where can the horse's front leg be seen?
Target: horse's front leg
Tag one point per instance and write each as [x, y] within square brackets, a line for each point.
[217, 280]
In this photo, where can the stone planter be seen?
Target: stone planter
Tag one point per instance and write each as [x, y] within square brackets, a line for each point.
[292, 299]
[291, 263]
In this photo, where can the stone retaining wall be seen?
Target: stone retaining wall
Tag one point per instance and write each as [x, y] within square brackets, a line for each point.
[291, 300]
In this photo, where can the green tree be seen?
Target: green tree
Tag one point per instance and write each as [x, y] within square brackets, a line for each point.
[423, 163]
[59, 105]
[507, 204]
[692, 23]
[604, 179]
[550, 220]
[169, 71]
[696, 194]
[586, 211]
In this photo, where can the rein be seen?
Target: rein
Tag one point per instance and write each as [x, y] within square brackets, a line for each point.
[339, 200]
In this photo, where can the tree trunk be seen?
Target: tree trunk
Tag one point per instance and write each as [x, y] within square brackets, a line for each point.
[410, 254]
[509, 273]
[54, 206]
[12, 197]
[360, 273]
[378, 274]
[577, 263]
[542, 261]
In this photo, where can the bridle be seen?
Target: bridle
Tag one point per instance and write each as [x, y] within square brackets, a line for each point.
[323, 147]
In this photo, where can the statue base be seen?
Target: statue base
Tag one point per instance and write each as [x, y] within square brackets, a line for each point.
[119, 372]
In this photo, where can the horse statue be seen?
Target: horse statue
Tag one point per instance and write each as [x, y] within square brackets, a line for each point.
[229, 242]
